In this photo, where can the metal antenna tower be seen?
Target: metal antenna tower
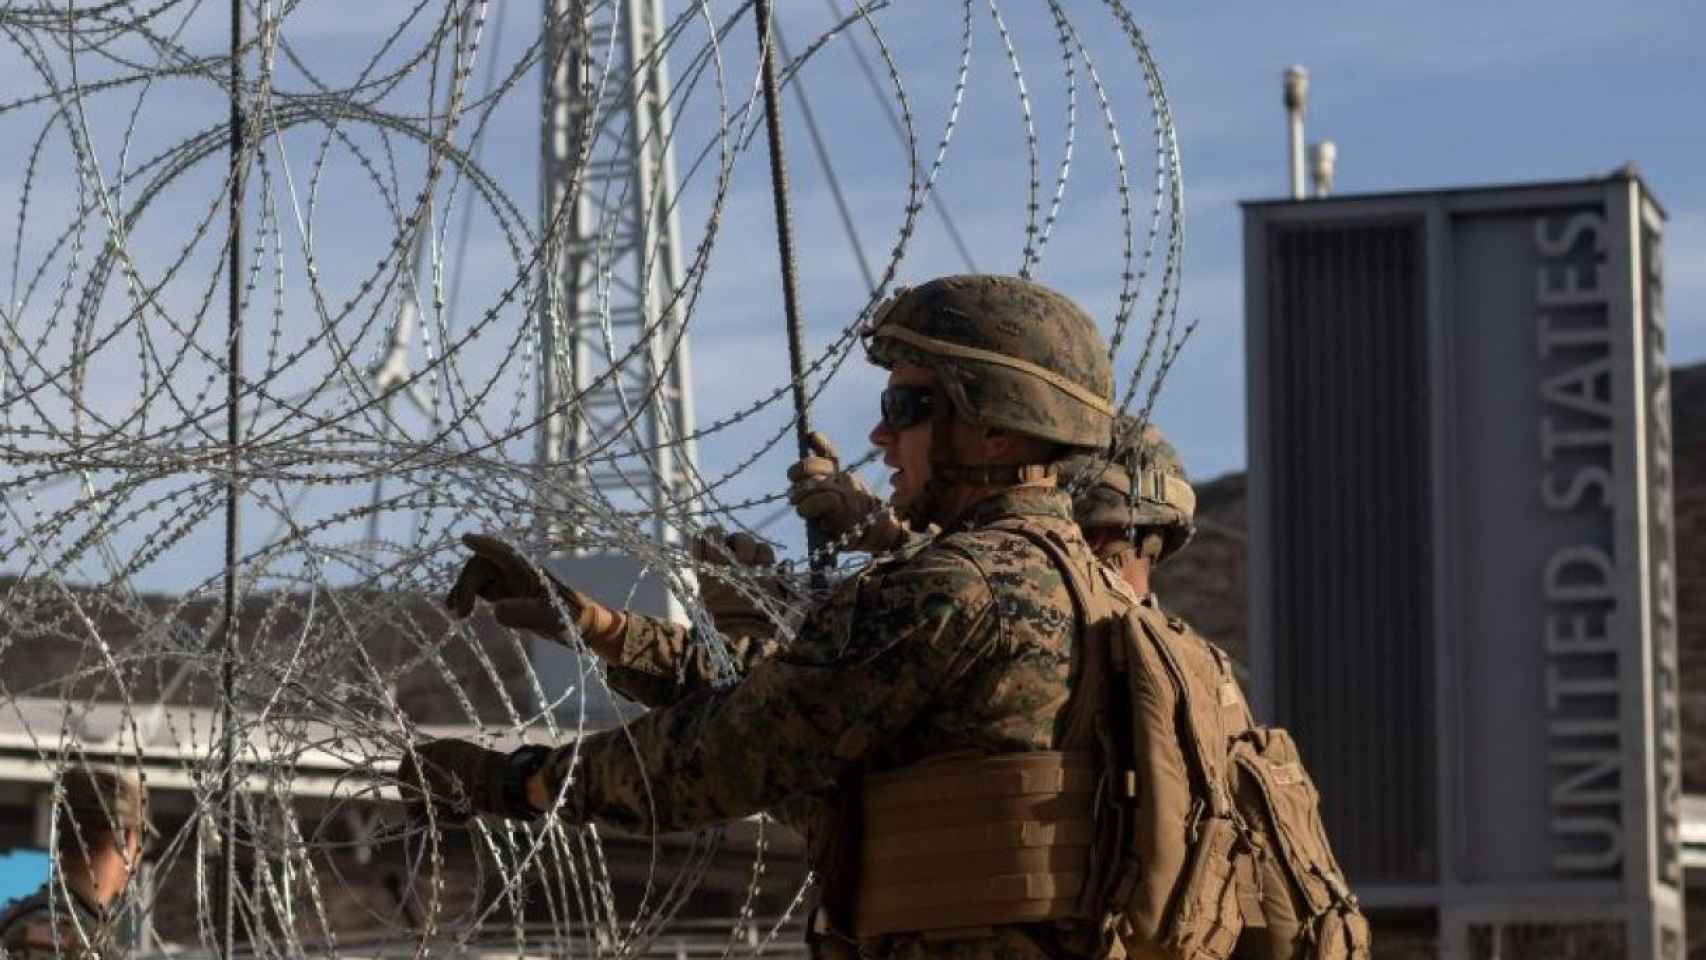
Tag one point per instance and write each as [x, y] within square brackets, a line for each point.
[611, 345]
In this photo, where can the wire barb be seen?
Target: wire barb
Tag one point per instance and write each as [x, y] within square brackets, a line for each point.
[223, 545]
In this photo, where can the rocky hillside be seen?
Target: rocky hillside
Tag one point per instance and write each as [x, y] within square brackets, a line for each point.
[1206, 583]
[364, 642]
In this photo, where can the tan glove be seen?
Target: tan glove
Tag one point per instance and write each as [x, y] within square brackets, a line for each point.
[734, 613]
[839, 505]
[520, 594]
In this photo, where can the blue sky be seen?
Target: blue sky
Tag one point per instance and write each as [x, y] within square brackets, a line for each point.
[1415, 96]
[1426, 95]
[21, 872]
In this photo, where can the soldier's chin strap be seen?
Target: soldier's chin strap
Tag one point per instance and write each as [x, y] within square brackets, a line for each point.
[947, 474]
[991, 474]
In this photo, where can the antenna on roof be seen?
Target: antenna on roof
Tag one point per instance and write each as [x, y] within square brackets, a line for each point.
[1323, 156]
[1296, 101]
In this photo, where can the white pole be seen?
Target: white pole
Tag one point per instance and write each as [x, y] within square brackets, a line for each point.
[1296, 100]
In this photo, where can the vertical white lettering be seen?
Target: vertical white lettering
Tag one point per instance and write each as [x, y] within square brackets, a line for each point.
[1585, 389]
[1608, 848]
[1588, 222]
[1554, 441]
[1559, 687]
[1581, 591]
[1574, 635]
[1594, 769]
[1571, 497]
[1579, 574]
[1562, 284]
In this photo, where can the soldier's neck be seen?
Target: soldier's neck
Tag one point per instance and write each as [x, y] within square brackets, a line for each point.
[958, 500]
[1133, 568]
[98, 880]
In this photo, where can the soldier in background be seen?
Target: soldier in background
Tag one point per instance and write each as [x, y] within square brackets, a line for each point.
[1135, 504]
[97, 852]
[1136, 508]
[1132, 524]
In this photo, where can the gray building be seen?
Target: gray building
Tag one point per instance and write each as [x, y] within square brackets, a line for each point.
[1461, 555]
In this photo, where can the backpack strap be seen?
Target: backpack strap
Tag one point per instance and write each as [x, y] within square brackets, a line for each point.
[1209, 772]
[1084, 719]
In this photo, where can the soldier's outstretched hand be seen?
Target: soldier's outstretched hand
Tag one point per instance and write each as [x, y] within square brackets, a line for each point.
[457, 779]
[523, 594]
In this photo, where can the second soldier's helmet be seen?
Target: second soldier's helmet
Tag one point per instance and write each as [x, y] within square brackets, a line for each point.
[1011, 354]
[1138, 484]
[103, 799]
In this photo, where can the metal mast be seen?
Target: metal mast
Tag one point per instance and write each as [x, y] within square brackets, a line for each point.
[1296, 102]
[612, 267]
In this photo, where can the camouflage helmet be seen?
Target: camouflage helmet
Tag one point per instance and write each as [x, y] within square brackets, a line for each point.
[100, 798]
[1104, 494]
[1011, 354]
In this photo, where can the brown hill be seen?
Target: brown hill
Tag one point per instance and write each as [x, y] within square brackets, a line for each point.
[1206, 584]
[154, 648]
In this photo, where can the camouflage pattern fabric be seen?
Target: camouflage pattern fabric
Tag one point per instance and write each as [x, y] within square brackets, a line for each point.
[34, 928]
[105, 798]
[963, 643]
[1012, 354]
[663, 661]
[1105, 493]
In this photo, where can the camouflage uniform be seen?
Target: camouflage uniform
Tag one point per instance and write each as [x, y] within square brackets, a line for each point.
[40, 926]
[663, 661]
[46, 924]
[1159, 499]
[963, 643]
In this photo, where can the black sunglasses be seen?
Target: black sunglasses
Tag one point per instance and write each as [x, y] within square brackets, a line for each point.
[905, 407]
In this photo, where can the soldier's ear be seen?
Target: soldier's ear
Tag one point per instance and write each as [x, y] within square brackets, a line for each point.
[1006, 446]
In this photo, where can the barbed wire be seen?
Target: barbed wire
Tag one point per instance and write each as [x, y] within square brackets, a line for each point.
[396, 300]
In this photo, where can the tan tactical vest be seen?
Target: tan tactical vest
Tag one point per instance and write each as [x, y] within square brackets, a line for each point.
[1166, 815]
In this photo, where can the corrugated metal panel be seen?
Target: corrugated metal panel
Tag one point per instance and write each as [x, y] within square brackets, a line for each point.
[1351, 529]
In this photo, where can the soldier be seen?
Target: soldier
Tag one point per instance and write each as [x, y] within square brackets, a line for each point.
[1137, 510]
[1135, 505]
[917, 673]
[1132, 528]
[98, 851]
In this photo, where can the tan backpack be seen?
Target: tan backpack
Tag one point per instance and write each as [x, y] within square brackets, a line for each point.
[1207, 825]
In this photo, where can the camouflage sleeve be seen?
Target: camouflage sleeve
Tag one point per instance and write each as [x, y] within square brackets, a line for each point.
[798, 718]
[914, 540]
[36, 938]
[663, 661]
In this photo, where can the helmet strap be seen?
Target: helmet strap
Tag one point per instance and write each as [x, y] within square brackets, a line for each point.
[936, 497]
[992, 474]
[949, 478]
